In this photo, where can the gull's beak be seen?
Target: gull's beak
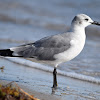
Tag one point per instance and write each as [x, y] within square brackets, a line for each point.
[95, 23]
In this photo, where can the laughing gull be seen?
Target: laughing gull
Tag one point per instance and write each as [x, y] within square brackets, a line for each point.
[55, 49]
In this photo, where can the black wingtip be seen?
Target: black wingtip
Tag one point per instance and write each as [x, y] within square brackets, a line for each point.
[6, 52]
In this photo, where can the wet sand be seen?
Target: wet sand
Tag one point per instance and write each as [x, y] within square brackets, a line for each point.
[39, 83]
[39, 95]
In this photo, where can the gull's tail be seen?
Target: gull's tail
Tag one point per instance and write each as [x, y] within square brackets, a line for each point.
[6, 53]
[26, 51]
[20, 51]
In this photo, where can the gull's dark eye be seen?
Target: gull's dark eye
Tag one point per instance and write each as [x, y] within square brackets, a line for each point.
[86, 19]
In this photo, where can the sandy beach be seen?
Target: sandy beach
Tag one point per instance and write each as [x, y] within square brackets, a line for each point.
[42, 96]
[39, 83]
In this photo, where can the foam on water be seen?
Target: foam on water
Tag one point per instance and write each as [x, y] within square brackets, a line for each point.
[50, 69]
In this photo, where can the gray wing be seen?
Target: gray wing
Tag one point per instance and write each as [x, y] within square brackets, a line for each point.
[44, 49]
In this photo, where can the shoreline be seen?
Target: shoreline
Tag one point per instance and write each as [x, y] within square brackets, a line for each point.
[39, 83]
[45, 68]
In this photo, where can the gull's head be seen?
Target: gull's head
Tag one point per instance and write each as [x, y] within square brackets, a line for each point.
[83, 21]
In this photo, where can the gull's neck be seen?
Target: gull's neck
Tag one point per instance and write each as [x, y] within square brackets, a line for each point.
[77, 29]
[78, 32]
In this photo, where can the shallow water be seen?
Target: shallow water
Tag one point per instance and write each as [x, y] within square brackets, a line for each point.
[29, 20]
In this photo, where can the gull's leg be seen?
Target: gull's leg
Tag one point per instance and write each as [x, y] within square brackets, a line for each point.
[54, 78]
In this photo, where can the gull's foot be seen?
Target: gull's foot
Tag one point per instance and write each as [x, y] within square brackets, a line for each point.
[54, 90]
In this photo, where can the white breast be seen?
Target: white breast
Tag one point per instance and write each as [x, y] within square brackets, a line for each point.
[77, 43]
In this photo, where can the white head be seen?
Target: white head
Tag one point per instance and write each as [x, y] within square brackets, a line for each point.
[83, 20]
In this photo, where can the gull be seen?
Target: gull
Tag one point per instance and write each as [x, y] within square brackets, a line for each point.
[55, 49]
